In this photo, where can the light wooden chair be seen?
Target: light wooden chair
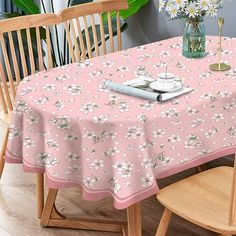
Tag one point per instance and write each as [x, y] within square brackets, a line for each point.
[207, 199]
[84, 43]
[80, 48]
[19, 32]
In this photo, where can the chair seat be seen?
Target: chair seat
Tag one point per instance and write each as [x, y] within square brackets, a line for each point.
[202, 199]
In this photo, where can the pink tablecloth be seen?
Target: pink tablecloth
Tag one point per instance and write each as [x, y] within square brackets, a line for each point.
[66, 125]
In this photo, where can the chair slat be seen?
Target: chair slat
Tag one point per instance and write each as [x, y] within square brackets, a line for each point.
[104, 48]
[2, 100]
[110, 31]
[22, 53]
[39, 48]
[14, 60]
[95, 35]
[81, 40]
[69, 41]
[30, 49]
[77, 51]
[49, 48]
[119, 41]
[5, 88]
[8, 67]
[88, 42]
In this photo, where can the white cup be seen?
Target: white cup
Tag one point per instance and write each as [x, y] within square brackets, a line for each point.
[166, 81]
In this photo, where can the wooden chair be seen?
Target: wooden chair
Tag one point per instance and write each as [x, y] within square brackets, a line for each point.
[85, 36]
[24, 33]
[207, 199]
[80, 48]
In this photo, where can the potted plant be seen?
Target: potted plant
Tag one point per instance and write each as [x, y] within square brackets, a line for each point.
[193, 12]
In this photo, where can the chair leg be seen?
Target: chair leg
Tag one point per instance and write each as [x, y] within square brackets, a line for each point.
[2, 153]
[40, 193]
[164, 223]
[2, 163]
[199, 169]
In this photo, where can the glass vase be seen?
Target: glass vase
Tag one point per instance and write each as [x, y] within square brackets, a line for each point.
[194, 39]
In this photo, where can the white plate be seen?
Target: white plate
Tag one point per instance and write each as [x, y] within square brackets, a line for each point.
[156, 85]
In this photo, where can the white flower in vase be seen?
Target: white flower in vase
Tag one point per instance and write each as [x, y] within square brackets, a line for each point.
[193, 11]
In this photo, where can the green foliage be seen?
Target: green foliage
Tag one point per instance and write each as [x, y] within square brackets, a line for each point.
[28, 6]
[134, 6]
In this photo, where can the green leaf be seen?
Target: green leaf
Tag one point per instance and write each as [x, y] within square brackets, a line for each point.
[78, 2]
[28, 6]
[134, 6]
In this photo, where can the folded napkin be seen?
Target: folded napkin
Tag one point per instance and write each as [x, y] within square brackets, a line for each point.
[140, 81]
[154, 96]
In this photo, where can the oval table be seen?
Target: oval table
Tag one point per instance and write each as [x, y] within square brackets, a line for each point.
[66, 125]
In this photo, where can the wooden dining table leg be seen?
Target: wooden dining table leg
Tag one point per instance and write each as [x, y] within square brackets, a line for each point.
[40, 193]
[134, 220]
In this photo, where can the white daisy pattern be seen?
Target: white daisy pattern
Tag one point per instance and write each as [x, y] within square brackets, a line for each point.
[73, 89]
[101, 119]
[97, 164]
[66, 124]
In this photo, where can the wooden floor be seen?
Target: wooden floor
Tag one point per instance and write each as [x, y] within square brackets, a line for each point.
[18, 211]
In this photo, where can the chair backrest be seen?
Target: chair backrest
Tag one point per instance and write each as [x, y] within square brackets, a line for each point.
[85, 36]
[21, 41]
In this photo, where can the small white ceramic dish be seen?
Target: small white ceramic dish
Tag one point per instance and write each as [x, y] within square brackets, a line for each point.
[166, 87]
